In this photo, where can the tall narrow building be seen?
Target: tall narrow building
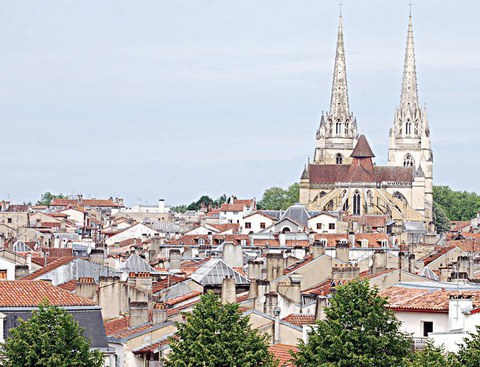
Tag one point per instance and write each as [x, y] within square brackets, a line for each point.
[410, 135]
[337, 134]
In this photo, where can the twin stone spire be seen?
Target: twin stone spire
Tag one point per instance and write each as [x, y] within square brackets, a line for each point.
[337, 134]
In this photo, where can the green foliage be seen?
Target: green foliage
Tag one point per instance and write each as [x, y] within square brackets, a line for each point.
[47, 198]
[431, 356]
[358, 331]
[50, 338]
[469, 353]
[205, 201]
[458, 205]
[276, 198]
[442, 223]
[217, 335]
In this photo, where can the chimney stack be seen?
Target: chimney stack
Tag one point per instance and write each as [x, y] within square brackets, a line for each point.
[138, 313]
[342, 251]
[229, 293]
[159, 313]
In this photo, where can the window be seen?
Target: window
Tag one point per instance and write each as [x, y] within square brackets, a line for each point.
[408, 161]
[356, 203]
[338, 158]
[338, 128]
[319, 225]
[201, 241]
[427, 327]
[331, 225]
[248, 225]
[3, 274]
[408, 127]
[262, 225]
[9, 220]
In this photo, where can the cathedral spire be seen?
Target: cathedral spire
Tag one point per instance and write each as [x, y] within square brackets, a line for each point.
[339, 101]
[409, 95]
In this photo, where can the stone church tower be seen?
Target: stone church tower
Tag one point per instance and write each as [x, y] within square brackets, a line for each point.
[410, 136]
[337, 134]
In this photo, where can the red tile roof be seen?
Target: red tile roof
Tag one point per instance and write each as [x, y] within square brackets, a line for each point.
[300, 319]
[167, 282]
[24, 293]
[282, 353]
[152, 348]
[70, 286]
[232, 208]
[174, 301]
[426, 300]
[53, 265]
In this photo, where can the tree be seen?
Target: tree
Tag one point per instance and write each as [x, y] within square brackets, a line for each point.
[50, 338]
[47, 198]
[431, 356]
[458, 205]
[217, 335]
[469, 353]
[441, 220]
[276, 198]
[358, 331]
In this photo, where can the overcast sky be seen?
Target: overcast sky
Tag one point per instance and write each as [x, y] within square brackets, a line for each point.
[174, 99]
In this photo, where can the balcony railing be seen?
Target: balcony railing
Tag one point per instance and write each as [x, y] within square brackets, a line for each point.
[419, 343]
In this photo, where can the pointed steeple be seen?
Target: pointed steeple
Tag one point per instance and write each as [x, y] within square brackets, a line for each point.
[409, 95]
[339, 100]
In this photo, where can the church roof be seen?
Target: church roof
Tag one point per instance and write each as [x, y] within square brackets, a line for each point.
[362, 149]
[331, 173]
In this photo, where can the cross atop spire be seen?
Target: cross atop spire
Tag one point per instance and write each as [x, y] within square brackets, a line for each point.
[339, 100]
[409, 95]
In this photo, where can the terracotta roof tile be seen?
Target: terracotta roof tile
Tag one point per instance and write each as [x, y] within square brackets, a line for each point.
[300, 319]
[25, 293]
[70, 286]
[232, 208]
[282, 353]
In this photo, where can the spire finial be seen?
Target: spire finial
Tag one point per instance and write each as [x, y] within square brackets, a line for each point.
[410, 6]
[340, 4]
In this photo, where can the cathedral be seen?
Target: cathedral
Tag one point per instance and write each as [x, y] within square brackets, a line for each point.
[343, 176]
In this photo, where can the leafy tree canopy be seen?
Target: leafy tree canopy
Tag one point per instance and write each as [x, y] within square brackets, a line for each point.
[276, 198]
[469, 353]
[358, 331]
[204, 202]
[50, 338]
[47, 198]
[457, 205]
[431, 356]
[217, 335]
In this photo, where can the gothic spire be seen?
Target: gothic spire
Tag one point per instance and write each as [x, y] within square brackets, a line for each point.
[339, 101]
[409, 95]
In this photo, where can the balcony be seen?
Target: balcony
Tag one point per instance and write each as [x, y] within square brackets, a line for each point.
[419, 343]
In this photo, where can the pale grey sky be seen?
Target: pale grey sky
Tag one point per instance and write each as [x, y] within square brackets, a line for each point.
[175, 99]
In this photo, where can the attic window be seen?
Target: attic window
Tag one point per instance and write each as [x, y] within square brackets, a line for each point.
[201, 241]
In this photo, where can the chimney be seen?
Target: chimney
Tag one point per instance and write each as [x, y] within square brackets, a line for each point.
[321, 303]
[161, 205]
[144, 282]
[275, 266]
[445, 274]
[174, 258]
[458, 307]
[271, 302]
[138, 313]
[276, 331]
[403, 261]
[96, 256]
[465, 265]
[379, 261]
[187, 253]
[411, 264]
[255, 269]
[155, 246]
[29, 261]
[21, 271]
[253, 290]
[159, 313]
[229, 293]
[351, 238]
[318, 249]
[86, 287]
[346, 272]
[342, 251]
[232, 254]
[295, 281]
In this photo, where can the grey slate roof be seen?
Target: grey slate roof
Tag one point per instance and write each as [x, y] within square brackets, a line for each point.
[214, 271]
[90, 269]
[297, 213]
[137, 264]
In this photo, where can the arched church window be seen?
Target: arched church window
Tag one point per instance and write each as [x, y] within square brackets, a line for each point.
[356, 203]
[408, 161]
[346, 128]
[338, 128]
[338, 158]
[370, 197]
